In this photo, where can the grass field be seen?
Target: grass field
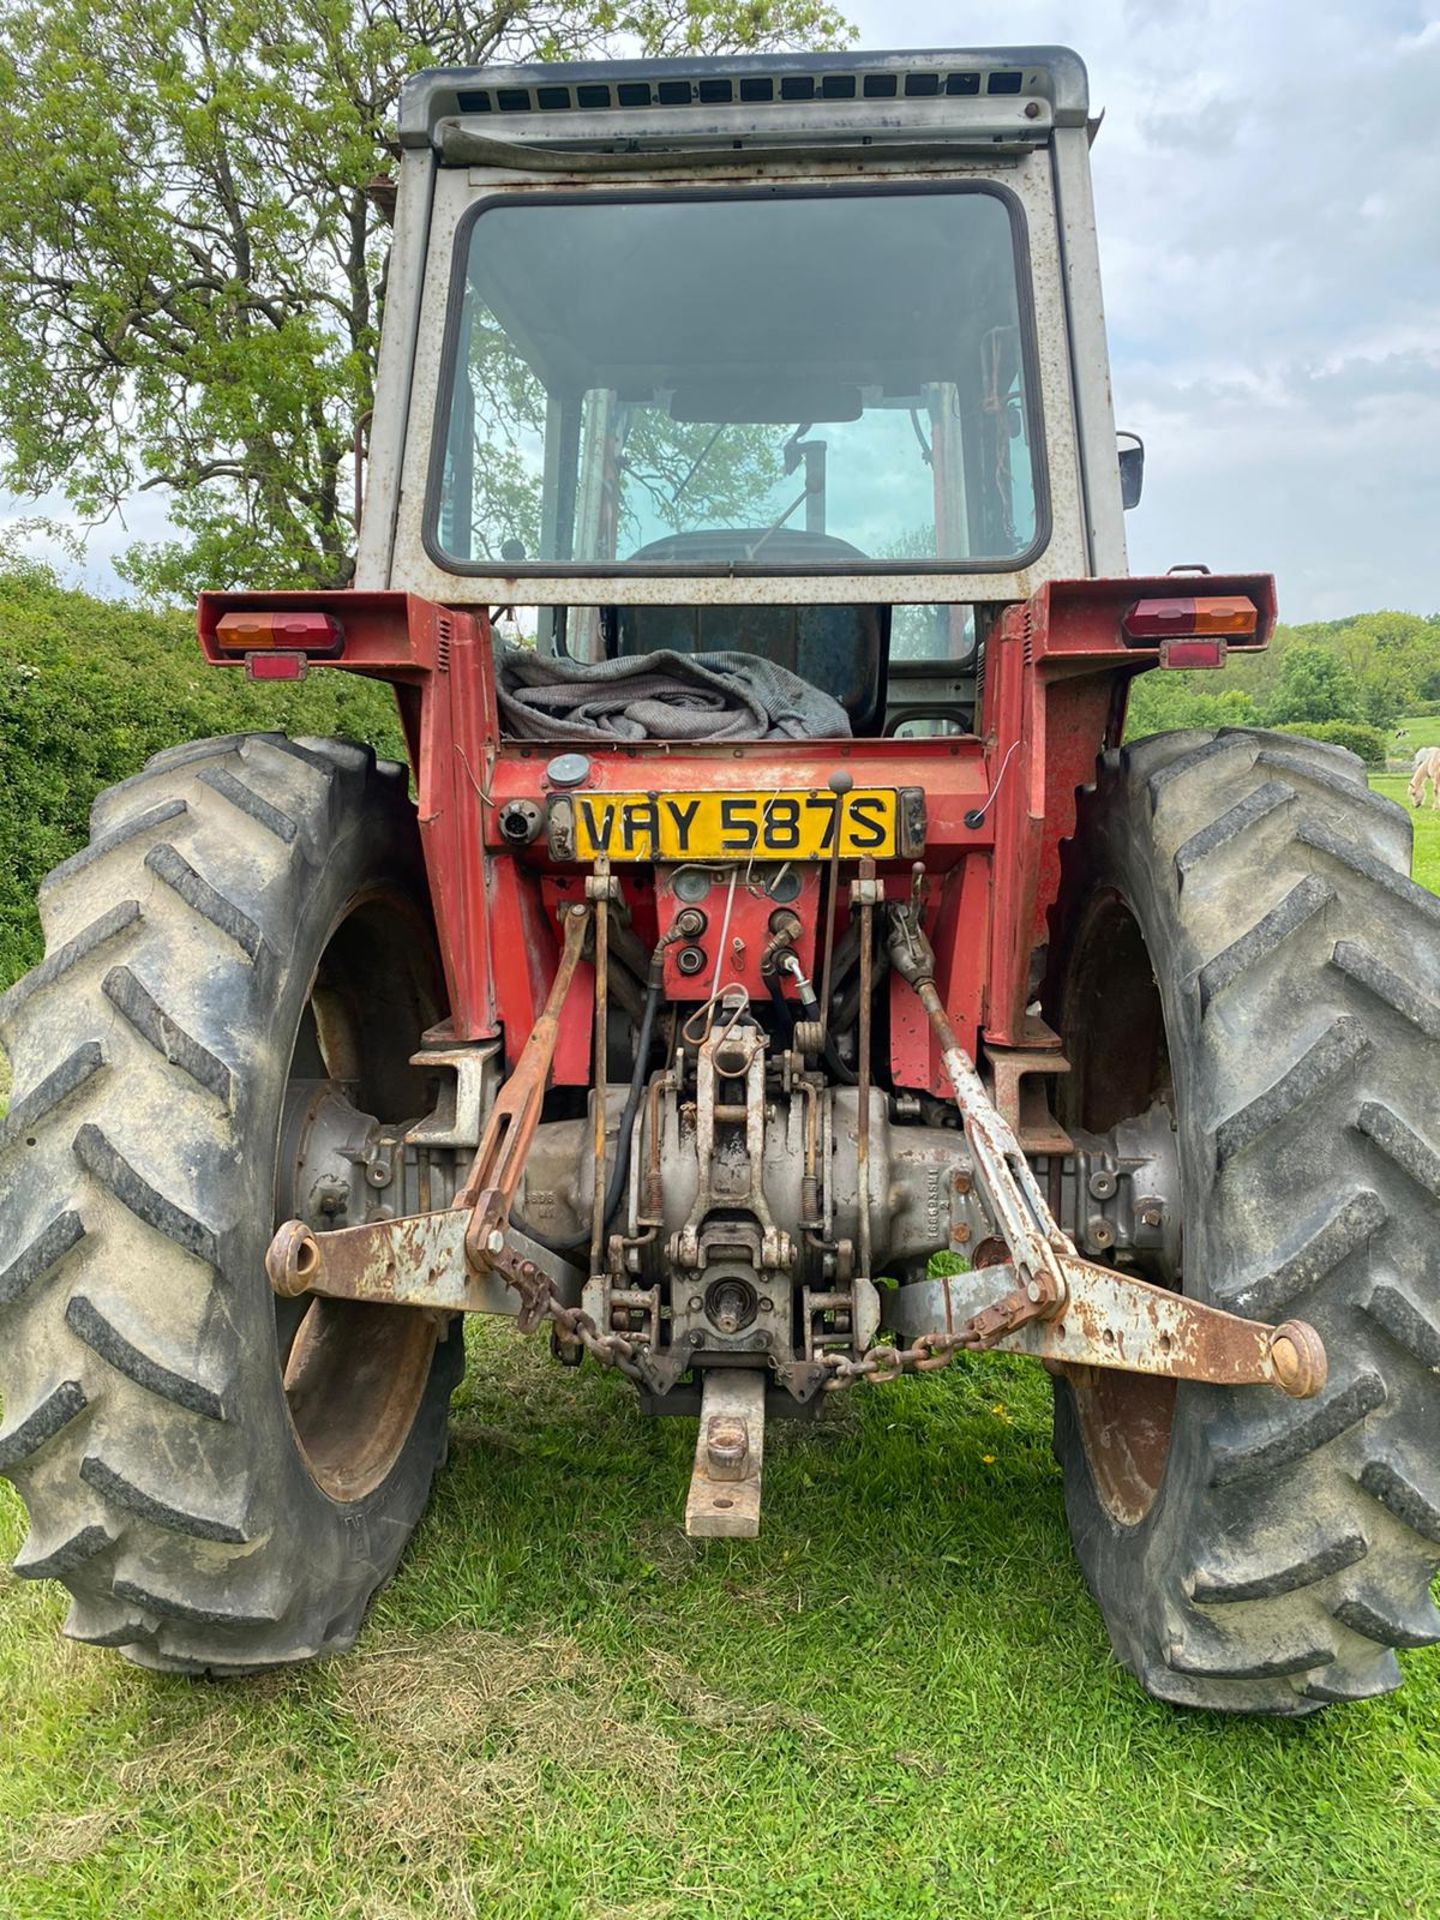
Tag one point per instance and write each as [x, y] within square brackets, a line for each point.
[1425, 861]
[898, 1704]
[1421, 731]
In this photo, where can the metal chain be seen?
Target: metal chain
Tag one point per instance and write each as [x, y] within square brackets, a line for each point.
[931, 1352]
[540, 1302]
[610, 1349]
[928, 1354]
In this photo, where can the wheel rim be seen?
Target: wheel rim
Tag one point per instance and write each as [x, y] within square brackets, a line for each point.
[354, 1374]
[1113, 1028]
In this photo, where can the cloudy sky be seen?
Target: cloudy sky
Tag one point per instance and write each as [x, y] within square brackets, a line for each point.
[1268, 194]
[1268, 189]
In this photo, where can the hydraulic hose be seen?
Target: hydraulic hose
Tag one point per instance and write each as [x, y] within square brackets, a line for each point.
[783, 1016]
[620, 1172]
[845, 1075]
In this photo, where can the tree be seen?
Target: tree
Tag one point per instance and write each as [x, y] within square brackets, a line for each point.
[1314, 684]
[192, 254]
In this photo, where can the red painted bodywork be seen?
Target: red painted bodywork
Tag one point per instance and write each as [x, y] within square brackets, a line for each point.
[1057, 671]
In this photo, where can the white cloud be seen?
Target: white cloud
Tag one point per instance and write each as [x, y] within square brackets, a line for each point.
[1268, 192]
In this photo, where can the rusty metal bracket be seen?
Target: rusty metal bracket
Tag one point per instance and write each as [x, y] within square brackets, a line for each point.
[494, 1176]
[451, 1260]
[1018, 1077]
[419, 1261]
[1111, 1321]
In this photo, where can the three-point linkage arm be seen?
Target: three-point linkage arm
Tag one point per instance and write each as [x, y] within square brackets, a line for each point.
[1062, 1307]
[445, 1259]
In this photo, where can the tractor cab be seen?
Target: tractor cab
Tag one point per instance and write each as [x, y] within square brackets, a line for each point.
[794, 355]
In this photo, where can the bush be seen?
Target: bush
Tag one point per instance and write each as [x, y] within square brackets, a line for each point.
[1367, 742]
[1169, 702]
[89, 689]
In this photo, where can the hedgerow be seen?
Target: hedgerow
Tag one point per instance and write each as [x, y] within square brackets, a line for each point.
[89, 689]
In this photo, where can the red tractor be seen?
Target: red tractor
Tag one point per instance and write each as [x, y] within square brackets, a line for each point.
[784, 913]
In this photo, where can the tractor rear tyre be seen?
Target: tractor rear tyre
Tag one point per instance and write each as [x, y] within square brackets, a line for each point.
[1247, 948]
[221, 1486]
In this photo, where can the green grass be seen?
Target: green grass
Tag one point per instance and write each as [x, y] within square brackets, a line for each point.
[898, 1702]
[1423, 730]
[1425, 861]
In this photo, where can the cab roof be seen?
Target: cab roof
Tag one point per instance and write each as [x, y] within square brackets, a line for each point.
[969, 96]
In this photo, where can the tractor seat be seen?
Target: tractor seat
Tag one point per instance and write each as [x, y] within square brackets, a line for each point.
[842, 650]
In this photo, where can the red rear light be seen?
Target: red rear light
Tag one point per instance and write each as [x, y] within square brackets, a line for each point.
[275, 666]
[1229, 614]
[315, 633]
[1192, 653]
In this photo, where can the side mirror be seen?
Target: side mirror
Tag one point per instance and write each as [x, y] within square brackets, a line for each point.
[1132, 468]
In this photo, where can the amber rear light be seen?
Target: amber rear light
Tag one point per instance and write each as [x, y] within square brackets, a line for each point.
[297, 631]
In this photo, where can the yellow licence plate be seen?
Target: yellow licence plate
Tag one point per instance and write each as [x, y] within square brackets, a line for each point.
[797, 824]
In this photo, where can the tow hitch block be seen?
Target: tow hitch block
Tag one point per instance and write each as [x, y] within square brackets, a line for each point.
[724, 1500]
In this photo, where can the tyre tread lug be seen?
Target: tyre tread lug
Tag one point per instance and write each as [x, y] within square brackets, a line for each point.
[1407, 1000]
[1338, 1049]
[220, 780]
[46, 1250]
[58, 1086]
[101, 1159]
[1324, 1243]
[104, 1479]
[87, 1323]
[169, 1039]
[1296, 910]
[20, 1442]
[171, 866]
[1300, 1427]
[1401, 1144]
